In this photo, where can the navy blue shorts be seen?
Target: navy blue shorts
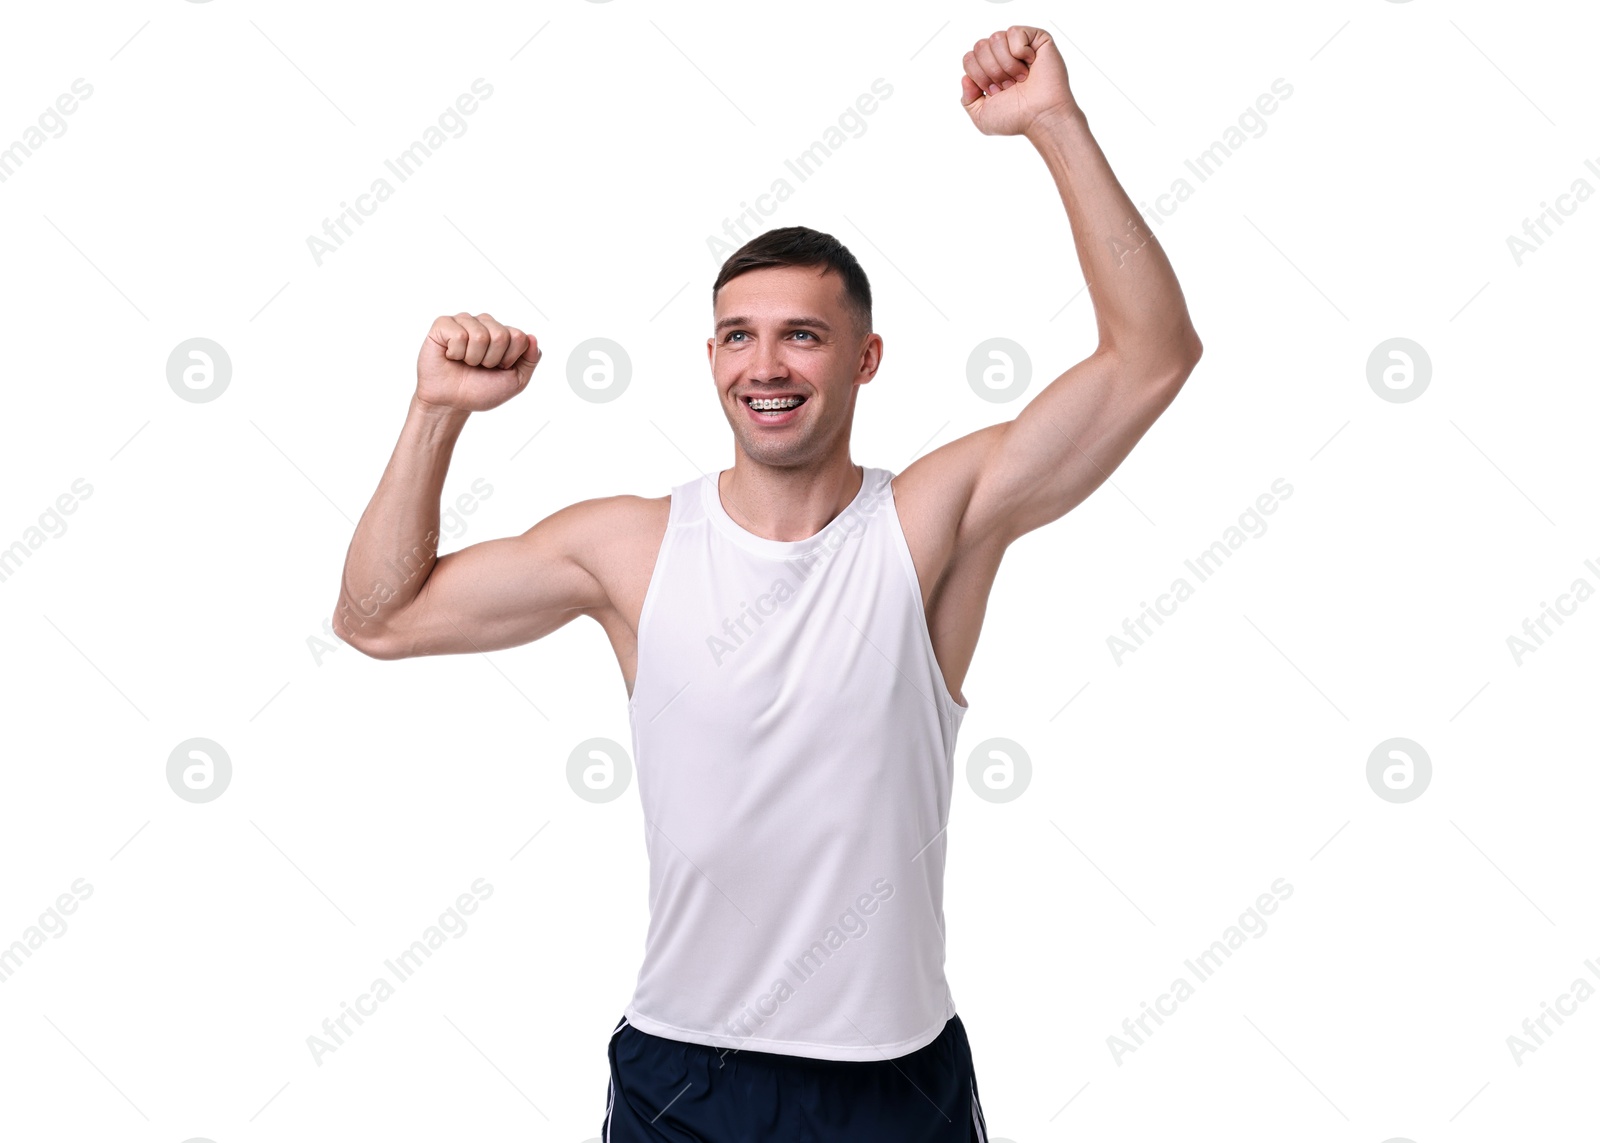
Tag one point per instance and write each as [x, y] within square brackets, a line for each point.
[692, 1093]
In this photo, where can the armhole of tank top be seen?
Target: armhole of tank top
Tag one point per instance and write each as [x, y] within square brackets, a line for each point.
[947, 701]
[652, 589]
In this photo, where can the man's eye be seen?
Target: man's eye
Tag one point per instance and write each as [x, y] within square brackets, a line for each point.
[806, 332]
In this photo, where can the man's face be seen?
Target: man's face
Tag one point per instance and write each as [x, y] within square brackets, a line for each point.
[785, 331]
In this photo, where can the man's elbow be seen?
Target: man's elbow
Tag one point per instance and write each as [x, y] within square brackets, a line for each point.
[367, 636]
[1184, 359]
[377, 648]
[1161, 364]
[1187, 349]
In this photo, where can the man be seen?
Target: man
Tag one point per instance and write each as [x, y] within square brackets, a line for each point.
[793, 634]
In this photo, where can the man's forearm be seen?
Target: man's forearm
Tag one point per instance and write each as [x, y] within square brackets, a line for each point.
[396, 542]
[1138, 305]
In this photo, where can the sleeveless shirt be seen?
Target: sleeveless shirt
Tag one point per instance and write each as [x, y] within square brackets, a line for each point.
[794, 742]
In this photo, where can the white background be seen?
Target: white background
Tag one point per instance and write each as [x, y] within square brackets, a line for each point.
[1226, 752]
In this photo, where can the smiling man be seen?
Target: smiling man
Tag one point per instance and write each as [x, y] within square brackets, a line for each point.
[793, 633]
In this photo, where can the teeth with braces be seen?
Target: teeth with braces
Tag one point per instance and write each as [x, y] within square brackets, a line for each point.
[774, 403]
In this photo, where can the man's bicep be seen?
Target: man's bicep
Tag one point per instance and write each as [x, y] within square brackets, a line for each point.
[1063, 445]
[503, 592]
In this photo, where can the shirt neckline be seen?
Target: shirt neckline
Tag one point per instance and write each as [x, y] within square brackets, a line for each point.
[761, 545]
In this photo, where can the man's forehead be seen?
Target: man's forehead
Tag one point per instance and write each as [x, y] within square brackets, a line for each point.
[793, 302]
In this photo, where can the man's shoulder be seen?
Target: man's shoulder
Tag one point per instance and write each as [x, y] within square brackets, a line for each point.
[622, 515]
[931, 494]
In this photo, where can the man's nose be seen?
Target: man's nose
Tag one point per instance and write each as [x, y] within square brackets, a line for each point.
[768, 364]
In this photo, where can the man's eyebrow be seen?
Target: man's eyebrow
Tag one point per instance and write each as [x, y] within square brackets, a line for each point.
[787, 323]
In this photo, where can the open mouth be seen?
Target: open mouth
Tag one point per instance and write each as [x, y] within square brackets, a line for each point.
[774, 408]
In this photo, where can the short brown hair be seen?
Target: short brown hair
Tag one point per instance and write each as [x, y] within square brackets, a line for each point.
[802, 246]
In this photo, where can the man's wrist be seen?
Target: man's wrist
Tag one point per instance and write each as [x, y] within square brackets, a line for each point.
[437, 422]
[1055, 125]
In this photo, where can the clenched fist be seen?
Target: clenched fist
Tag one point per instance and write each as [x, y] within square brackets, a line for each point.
[474, 363]
[1015, 80]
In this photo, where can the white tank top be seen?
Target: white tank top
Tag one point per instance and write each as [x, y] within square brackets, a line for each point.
[794, 741]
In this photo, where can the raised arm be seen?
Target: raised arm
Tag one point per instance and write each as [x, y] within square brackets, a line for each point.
[397, 598]
[1009, 479]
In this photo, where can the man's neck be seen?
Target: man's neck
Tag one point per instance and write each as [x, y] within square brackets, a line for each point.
[788, 504]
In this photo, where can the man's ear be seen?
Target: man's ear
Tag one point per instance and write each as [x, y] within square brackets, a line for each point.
[871, 358]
